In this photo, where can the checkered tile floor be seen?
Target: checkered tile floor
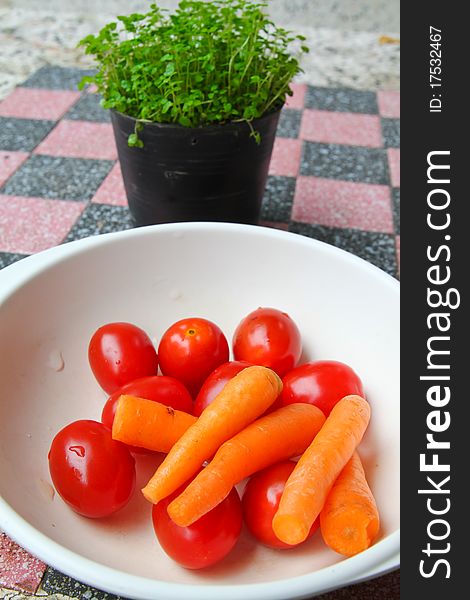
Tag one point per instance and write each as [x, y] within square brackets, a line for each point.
[334, 176]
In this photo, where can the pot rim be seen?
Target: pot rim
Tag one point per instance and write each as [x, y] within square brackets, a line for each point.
[208, 127]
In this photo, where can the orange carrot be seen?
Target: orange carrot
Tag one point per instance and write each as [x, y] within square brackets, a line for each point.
[149, 424]
[349, 520]
[241, 400]
[282, 434]
[307, 487]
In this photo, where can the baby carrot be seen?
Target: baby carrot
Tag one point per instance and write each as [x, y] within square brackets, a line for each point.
[149, 424]
[307, 487]
[349, 520]
[241, 401]
[282, 434]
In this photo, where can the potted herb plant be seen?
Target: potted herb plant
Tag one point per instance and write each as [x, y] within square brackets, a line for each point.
[195, 97]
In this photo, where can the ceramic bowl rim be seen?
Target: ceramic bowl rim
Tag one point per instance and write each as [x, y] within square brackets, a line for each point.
[382, 557]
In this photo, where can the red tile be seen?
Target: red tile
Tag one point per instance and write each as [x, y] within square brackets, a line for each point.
[343, 204]
[341, 128]
[28, 225]
[30, 103]
[389, 103]
[394, 166]
[285, 159]
[9, 162]
[18, 569]
[81, 139]
[112, 191]
[297, 100]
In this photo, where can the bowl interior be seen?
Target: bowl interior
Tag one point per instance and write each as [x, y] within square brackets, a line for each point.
[346, 310]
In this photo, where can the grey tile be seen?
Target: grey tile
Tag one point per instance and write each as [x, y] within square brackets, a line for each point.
[55, 582]
[377, 248]
[8, 258]
[56, 78]
[289, 123]
[278, 198]
[396, 209]
[88, 108]
[341, 100]
[100, 218]
[23, 134]
[347, 163]
[391, 132]
[58, 177]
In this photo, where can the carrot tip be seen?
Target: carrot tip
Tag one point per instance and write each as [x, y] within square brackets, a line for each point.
[148, 495]
[290, 529]
[178, 516]
[182, 521]
[351, 534]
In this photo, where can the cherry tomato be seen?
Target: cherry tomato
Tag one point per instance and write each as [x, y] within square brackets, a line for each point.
[321, 382]
[270, 338]
[166, 390]
[94, 474]
[118, 353]
[261, 499]
[190, 350]
[215, 382]
[205, 542]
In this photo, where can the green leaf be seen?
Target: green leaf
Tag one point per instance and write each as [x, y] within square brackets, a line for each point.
[85, 81]
[256, 136]
[166, 105]
[134, 142]
[170, 69]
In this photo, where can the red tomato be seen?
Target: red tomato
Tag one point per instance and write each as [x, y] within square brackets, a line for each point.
[205, 542]
[321, 382]
[270, 338]
[94, 474]
[190, 350]
[215, 382]
[261, 499]
[166, 390]
[119, 353]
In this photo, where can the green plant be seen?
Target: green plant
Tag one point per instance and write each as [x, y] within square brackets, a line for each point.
[206, 63]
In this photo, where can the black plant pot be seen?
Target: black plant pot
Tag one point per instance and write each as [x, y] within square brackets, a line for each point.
[213, 173]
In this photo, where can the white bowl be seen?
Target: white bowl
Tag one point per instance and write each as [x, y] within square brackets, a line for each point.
[51, 303]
